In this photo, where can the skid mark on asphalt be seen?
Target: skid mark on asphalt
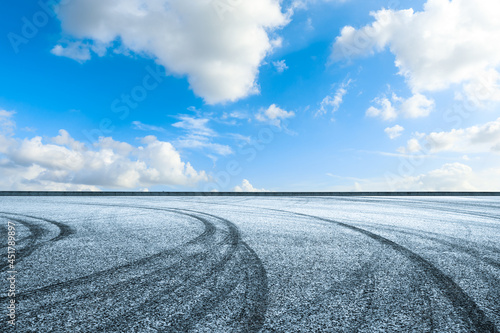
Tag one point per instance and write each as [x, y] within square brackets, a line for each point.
[463, 303]
[453, 244]
[418, 204]
[205, 286]
[198, 275]
[36, 238]
[356, 291]
[490, 280]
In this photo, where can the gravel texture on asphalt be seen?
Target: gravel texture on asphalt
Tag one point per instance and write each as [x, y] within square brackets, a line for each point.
[250, 264]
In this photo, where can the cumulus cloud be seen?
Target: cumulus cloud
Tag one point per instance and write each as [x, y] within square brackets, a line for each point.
[385, 109]
[450, 177]
[7, 124]
[412, 146]
[219, 45]
[449, 42]
[274, 115]
[394, 132]
[247, 187]
[475, 139]
[280, 66]
[64, 163]
[332, 102]
[76, 51]
[416, 106]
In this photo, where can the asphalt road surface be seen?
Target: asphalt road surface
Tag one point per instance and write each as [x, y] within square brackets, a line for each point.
[249, 264]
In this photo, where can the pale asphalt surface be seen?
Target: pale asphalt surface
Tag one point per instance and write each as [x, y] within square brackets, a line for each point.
[230, 264]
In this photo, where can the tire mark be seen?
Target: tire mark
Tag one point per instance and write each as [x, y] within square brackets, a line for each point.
[245, 262]
[99, 299]
[256, 300]
[457, 247]
[209, 230]
[191, 280]
[232, 238]
[462, 302]
[257, 293]
[33, 230]
[358, 280]
[423, 204]
[64, 229]
[18, 241]
[491, 280]
[33, 241]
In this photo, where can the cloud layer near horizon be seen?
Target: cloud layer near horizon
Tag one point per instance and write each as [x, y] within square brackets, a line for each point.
[63, 163]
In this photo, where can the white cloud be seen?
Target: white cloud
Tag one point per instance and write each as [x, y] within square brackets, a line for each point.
[449, 42]
[274, 115]
[7, 124]
[77, 51]
[309, 24]
[303, 4]
[201, 142]
[394, 132]
[416, 106]
[453, 177]
[280, 66]
[475, 139]
[144, 127]
[196, 126]
[64, 164]
[247, 187]
[219, 44]
[333, 102]
[199, 135]
[235, 115]
[413, 146]
[450, 177]
[239, 137]
[385, 110]
[64, 139]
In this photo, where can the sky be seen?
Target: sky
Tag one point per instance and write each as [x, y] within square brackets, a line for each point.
[240, 95]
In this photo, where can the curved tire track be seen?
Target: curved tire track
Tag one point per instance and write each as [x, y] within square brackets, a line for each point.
[469, 311]
[462, 302]
[37, 232]
[220, 244]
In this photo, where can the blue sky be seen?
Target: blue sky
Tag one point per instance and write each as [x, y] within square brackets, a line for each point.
[310, 95]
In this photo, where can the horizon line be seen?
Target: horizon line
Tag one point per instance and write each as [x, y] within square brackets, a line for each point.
[250, 194]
